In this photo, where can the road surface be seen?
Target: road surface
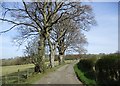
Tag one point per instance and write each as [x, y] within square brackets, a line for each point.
[63, 75]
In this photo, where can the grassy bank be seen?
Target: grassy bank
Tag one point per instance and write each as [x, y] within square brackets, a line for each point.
[82, 77]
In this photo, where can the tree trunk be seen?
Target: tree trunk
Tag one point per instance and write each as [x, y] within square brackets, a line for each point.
[52, 57]
[37, 68]
[61, 58]
[40, 65]
[52, 53]
[61, 49]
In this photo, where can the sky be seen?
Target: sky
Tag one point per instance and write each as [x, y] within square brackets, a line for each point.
[102, 38]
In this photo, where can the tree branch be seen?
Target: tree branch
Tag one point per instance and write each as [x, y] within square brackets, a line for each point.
[8, 29]
[31, 16]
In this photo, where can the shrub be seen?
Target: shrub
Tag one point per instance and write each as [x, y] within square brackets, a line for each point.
[108, 70]
[81, 76]
[87, 66]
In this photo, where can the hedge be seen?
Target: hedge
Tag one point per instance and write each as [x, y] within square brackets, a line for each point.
[108, 70]
[87, 66]
[81, 76]
[105, 71]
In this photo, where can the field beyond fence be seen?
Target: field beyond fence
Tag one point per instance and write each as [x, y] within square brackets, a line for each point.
[18, 74]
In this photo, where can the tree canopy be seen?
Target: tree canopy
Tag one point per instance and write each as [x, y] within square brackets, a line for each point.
[41, 19]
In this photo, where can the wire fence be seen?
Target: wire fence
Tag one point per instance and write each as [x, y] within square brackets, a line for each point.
[17, 77]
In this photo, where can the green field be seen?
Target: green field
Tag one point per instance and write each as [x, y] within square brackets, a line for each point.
[26, 73]
[12, 69]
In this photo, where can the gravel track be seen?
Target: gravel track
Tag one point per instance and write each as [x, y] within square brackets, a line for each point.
[63, 75]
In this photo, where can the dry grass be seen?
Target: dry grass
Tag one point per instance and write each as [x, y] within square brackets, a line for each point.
[14, 68]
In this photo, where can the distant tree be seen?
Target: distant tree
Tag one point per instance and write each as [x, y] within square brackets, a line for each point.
[71, 38]
[78, 44]
[117, 52]
[31, 50]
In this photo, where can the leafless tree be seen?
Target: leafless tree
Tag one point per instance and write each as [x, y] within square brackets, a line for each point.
[67, 35]
[31, 50]
[78, 44]
[37, 18]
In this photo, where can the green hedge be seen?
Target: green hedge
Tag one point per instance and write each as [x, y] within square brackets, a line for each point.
[105, 71]
[108, 70]
[81, 76]
[87, 66]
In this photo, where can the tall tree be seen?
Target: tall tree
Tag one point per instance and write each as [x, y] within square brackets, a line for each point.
[67, 35]
[69, 32]
[37, 18]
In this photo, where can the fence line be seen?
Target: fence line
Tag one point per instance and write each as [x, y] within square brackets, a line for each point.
[18, 77]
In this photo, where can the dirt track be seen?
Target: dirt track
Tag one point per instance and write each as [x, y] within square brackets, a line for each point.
[63, 75]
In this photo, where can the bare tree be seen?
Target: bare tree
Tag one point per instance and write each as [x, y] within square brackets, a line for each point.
[78, 44]
[68, 36]
[37, 18]
[68, 33]
[31, 50]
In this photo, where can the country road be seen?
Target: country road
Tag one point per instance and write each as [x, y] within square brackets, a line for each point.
[63, 75]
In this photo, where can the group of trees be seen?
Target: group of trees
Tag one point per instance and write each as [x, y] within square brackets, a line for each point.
[57, 25]
[15, 61]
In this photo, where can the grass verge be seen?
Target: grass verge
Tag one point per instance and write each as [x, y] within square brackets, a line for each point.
[82, 77]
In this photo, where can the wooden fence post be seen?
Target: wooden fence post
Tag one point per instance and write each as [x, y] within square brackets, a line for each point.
[27, 75]
[6, 78]
[18, 76]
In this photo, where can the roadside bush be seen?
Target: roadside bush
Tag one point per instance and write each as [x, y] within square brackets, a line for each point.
[108, 70]
[81, 76]
[87, 66]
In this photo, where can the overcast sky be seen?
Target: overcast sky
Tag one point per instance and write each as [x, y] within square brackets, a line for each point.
[102, 38]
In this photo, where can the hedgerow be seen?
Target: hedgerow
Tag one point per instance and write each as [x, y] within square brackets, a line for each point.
[105, 71]
[108, 70]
